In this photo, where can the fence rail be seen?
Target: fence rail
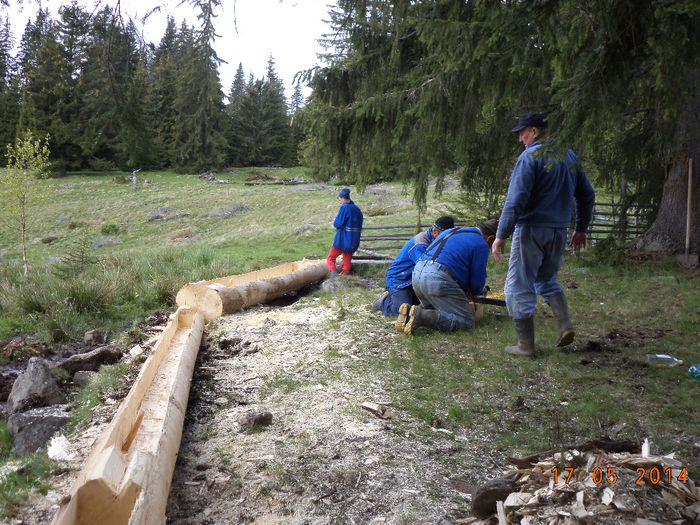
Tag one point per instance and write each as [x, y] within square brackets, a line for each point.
[379, 241]
[608, 220]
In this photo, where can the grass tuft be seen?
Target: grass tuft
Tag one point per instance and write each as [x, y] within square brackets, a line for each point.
[16, 486]
[109, 382]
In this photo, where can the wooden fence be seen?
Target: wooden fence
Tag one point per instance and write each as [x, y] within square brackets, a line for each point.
[382, 243]
[608, 220]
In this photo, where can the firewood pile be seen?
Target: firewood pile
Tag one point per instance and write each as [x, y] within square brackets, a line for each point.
[590, 486]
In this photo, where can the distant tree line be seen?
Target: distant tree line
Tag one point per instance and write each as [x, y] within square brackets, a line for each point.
[107, 99]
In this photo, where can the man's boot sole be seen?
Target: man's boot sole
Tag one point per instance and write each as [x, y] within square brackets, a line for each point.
[566, 338]
[408, 329]
[404, 311]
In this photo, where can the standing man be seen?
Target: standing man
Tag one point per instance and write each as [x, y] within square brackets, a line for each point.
[348, 226]
[452, 269]
[398, 279]
[537, 212]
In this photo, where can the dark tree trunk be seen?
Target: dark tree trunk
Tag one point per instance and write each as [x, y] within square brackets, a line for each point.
[667, 233]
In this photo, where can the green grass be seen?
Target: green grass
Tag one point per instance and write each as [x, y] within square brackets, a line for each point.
[600, 385]
[31, 474]
[498, 404]
[5, 441]
[109, 381]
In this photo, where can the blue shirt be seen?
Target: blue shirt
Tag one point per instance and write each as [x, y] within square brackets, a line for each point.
[465, 255]
[543, 195]
[398, 275]
[348, 225]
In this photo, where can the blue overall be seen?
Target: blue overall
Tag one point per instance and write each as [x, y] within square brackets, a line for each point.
[399, 275]
[452, 268]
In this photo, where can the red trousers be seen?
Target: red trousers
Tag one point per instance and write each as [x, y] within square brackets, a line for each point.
[333, 255]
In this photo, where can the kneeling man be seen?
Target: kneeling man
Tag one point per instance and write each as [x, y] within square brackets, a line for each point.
[452, 269]
[398, 280]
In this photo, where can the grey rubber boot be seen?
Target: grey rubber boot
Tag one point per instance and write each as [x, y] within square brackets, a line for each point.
[421, 317]
[559, 306]
[334, 274]
[525, 330]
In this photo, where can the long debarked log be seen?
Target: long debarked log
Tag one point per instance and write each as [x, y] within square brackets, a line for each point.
[228, 295]
[126, 479]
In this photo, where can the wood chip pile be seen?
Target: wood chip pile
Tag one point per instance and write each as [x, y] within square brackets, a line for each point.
[599, 487]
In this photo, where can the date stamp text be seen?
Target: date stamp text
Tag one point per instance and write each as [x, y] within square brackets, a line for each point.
[653, 475]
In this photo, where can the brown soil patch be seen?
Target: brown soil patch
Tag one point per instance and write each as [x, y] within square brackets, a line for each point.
[322, 459]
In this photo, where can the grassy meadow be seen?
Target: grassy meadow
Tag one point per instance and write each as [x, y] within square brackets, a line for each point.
[99, 260]
[101, 254]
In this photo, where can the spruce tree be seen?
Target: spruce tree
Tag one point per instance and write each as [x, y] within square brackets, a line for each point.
[96, 92]
[237, 89]
[161, 107]
[296, 135]
[424, 88]
[9, 86]
[46, 80]
[199, 101]
[277, 149]
[250, 126]
[235, 152]
[297, 100]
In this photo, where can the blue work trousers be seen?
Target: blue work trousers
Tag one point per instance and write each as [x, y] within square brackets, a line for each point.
[535, 258]
[391, 303]
[437, 289]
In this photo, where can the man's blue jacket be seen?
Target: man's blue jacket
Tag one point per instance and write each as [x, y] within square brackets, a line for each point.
[398, 275]
[348, 225]
[542, 195]
[464, 254]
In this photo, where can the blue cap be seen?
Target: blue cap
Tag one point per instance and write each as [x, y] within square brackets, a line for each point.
[536, 120]
[344, 193]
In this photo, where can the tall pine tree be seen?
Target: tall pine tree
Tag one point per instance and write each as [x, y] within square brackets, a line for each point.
[168, 58]
[199, 101]
[9, 86]
[422, 88]
[235, 150]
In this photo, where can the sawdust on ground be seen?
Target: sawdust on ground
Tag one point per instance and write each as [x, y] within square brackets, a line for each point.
[323, 459]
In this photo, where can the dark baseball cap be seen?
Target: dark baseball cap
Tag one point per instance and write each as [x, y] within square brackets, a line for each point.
[444, 223]
[537, 120]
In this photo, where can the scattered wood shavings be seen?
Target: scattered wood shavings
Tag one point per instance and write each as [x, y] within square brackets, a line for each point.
[595, 486]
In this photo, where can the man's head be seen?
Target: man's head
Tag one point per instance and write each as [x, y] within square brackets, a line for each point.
[441, 224]
[344, 194]
[530, 127]
[488, 230]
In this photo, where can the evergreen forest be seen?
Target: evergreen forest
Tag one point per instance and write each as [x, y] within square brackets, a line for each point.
[407, 91]
[107, 99]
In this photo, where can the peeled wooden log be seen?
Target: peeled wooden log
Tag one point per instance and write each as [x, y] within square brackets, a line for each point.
[127, 477]
[228, 295]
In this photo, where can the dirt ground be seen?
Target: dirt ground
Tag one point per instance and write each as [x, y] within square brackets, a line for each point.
[322, 459]
[302, 370]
